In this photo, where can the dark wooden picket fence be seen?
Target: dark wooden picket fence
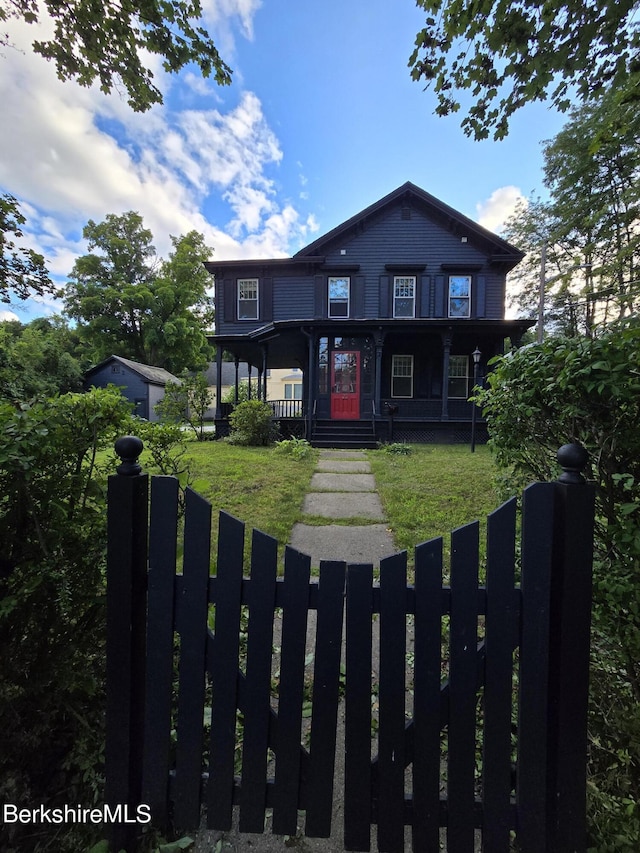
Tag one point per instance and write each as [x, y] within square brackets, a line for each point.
[477, 714]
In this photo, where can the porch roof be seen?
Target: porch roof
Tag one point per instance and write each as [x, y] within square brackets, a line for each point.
[287, 340]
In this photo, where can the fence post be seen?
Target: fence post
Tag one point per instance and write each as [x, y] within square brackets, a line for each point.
[127, 530]
[569, 643]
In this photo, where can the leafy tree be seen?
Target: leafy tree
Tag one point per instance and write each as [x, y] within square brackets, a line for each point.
[108, 42]
[591, 169]
[126, 303]
[588, 390]
[229, 395]
[39, 359]
[187, 403]
[22, 271]
[511, 54]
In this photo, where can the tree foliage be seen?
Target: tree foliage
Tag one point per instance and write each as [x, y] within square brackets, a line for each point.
[187, 403]
[109, 42]
[39, 359]
[252, 424]
[22, 270]
[127, 303]
[588, 390]
[511, 54]
[592, 171]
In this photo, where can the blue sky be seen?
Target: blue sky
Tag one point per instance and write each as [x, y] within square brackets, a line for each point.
[322, 119]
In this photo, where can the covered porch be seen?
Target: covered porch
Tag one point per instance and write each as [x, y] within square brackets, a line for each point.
[407, 381]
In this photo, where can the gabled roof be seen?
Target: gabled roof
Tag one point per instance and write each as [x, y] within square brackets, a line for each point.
[413, 195]
[155, 375]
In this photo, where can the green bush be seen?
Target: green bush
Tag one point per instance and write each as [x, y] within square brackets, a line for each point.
[252, 424]
[53, 465]
[539, 398]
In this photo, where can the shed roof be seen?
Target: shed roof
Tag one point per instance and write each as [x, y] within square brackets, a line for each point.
[154, 375]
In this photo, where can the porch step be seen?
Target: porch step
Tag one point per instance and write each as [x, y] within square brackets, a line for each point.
[349, 435]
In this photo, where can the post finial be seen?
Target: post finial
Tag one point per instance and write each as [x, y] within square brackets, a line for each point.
[573, 460]
[129, 448]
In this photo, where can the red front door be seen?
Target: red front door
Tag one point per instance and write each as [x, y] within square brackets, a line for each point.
[345, 385]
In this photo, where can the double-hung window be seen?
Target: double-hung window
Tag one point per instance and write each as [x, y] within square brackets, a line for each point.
[402, 376]
[248, 308]
[404, 296]
[459, 295]
[339, 297]
[459, 376]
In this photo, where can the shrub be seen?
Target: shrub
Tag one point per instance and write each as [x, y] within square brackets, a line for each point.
[537, 399]
[53, 468]
[252, 424]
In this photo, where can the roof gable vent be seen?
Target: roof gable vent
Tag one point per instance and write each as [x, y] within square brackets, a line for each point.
[406, 213]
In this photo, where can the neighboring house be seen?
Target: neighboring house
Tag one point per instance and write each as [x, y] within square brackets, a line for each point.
[381, 315]
[230, 376]
[142, 384]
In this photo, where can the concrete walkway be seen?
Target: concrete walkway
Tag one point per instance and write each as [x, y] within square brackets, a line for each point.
[343, 489]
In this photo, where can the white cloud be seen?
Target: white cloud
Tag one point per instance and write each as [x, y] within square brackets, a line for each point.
[6, 316]
[70, 154]
[494, 212]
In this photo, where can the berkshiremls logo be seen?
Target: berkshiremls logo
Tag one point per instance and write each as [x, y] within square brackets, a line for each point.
[120, 813]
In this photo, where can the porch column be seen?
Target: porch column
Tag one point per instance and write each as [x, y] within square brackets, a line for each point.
[249, 381]
[219, 381]
[264, 371]
[259, 390]
[311, 359]
[237, 385]
[379, 343]
[446, 352]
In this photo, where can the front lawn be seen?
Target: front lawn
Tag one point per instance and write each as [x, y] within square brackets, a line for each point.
[258, 485]
[434, 489]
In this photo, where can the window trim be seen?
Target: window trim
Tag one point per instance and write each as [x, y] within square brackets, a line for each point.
[404, 278]
[331, 279]
[394, 376]
[243, 281]
[468, 298]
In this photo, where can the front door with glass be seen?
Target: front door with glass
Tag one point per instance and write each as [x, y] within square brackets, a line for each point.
[345, 385]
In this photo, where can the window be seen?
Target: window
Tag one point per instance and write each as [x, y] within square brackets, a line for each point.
[293, 391]
[248, 299]
[338, 297]
[323, 365]
[459, 295]
[404, 296]
[459, 376]
[402, 376]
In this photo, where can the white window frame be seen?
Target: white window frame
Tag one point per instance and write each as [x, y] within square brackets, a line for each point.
[459, 369]
[293, 390]
[248, 300]
[335, 301]
[453, 280]
[395, 375]
[400, 281]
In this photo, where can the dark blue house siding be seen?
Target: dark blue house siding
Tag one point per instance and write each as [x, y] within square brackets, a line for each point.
[133, 386]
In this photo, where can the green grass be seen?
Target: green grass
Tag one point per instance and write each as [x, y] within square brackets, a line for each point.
[255, 484]
[433, 490]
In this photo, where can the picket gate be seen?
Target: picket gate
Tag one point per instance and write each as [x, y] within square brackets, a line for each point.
[489, 736]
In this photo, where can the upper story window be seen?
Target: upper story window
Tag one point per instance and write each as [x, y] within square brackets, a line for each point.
[404, 296]
[459, 295]
[339, 297]
[248, 299]
[402, 376]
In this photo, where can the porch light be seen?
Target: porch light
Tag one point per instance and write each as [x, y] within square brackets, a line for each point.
[476, 355]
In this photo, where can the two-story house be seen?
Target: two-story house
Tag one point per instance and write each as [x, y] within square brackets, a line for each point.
[382, 315]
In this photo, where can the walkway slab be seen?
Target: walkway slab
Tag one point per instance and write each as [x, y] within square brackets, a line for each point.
[344, 505]
[355, 544]
[344, 466]
[343, 483]
[342, 454]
